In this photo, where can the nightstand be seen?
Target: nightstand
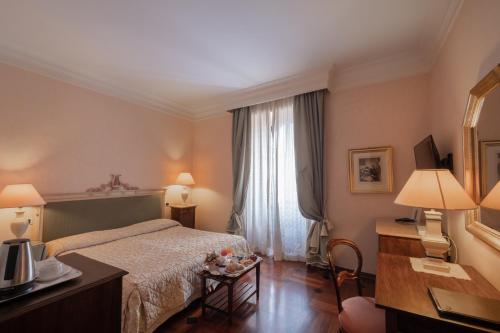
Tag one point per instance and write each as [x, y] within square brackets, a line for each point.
[183, 214]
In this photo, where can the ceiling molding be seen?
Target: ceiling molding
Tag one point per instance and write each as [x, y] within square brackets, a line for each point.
[23, 61]
[437, 44]
[266, 92]
[401, 65]
[381, 70]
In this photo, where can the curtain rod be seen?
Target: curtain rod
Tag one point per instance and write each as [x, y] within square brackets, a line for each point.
[272, 100]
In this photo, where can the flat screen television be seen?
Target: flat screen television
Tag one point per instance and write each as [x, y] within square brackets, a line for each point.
[427, 155]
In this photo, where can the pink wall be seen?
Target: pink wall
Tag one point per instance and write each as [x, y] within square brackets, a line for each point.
[64, 139]
[377, 115]
[397, 113]
[386, 114]
[471, 50]
[212, 172]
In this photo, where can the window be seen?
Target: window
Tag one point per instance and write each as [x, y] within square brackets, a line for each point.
[274, 224]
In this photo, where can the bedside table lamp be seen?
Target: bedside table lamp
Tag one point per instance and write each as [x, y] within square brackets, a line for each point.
[492, 200]
[434, 189]
[19, 196]
[186, 180]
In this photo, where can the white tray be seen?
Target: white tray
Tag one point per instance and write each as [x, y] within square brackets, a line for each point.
[73, 274]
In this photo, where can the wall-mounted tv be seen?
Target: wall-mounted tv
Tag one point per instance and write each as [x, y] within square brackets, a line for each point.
[427, 156]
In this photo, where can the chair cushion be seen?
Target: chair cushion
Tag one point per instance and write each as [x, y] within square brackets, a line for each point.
[360, 315]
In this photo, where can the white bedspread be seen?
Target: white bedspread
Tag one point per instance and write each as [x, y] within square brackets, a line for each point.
[162, 259]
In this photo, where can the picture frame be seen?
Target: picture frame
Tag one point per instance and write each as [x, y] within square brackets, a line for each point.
[371, 170]
[489, 165]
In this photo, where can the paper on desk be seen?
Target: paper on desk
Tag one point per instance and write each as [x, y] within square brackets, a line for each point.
[456, 271]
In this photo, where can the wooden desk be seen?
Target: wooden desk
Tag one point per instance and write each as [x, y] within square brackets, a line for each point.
[90, 303]
[403, 294]
[396, 238]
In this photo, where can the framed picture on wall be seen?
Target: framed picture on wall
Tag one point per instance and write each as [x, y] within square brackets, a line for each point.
[489, 165]
[370, 170]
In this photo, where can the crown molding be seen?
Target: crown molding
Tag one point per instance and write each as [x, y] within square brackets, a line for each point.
[435, 46]
[399, 65]
[34, 64]
[381, 70]
[377, 71]
[266, 92]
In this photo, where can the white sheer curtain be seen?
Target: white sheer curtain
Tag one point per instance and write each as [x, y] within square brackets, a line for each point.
[274, 224]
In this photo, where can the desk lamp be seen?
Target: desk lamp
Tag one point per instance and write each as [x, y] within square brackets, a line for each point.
[434, 189]
[492, 200]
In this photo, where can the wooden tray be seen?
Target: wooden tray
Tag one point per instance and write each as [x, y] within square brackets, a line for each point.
[222, 270]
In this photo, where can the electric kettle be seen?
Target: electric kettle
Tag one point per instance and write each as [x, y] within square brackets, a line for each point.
[17, 267]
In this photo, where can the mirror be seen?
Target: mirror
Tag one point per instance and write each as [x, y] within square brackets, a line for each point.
[482, 155]
[488, 136]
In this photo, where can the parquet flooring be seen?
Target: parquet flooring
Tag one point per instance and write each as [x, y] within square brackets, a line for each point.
[293, 299]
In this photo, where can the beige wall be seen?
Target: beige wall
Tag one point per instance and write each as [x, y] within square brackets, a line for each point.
[471, 50]
[65, 139]
[388, 114]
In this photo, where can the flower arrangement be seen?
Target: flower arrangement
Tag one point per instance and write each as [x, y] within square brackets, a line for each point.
[226, 252]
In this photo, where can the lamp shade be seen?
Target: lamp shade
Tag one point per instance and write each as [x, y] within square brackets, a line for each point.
[492, 200]
[184, 178]
[20, 195]
[436, 188]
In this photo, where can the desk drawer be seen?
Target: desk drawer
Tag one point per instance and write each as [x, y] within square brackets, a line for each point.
[409, 247]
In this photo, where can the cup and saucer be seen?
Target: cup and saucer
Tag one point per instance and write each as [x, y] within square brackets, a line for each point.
[51, 269]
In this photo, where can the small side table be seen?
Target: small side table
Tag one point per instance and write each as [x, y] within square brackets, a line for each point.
[184, 214]
[229, 295]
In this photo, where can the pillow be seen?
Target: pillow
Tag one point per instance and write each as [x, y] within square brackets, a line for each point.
[58, 246]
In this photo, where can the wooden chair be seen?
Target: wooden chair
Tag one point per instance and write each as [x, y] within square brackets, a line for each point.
[356, 314]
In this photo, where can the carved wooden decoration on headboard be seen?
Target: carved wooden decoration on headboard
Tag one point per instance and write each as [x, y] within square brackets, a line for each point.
[114, 184]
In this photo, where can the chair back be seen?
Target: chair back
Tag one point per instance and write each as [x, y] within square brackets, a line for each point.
[342, 276]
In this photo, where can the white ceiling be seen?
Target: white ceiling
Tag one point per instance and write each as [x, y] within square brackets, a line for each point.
[196, 58]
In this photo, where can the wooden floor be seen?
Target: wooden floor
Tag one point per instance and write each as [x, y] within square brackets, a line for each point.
[293, 299]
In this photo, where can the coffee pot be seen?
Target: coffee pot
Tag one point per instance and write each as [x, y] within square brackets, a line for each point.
[17, 267]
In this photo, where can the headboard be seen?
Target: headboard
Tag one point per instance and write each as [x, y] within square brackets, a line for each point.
[66, 218]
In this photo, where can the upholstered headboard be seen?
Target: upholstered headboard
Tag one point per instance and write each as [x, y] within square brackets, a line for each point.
[66, 218]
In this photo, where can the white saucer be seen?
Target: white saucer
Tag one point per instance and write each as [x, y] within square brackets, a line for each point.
[66, 270]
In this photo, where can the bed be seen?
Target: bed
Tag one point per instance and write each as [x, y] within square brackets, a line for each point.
[161, 256]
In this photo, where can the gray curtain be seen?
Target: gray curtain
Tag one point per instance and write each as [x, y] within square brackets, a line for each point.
[241, 167]
[308, 119]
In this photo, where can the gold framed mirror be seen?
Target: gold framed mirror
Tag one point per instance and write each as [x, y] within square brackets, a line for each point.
[481, 144]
